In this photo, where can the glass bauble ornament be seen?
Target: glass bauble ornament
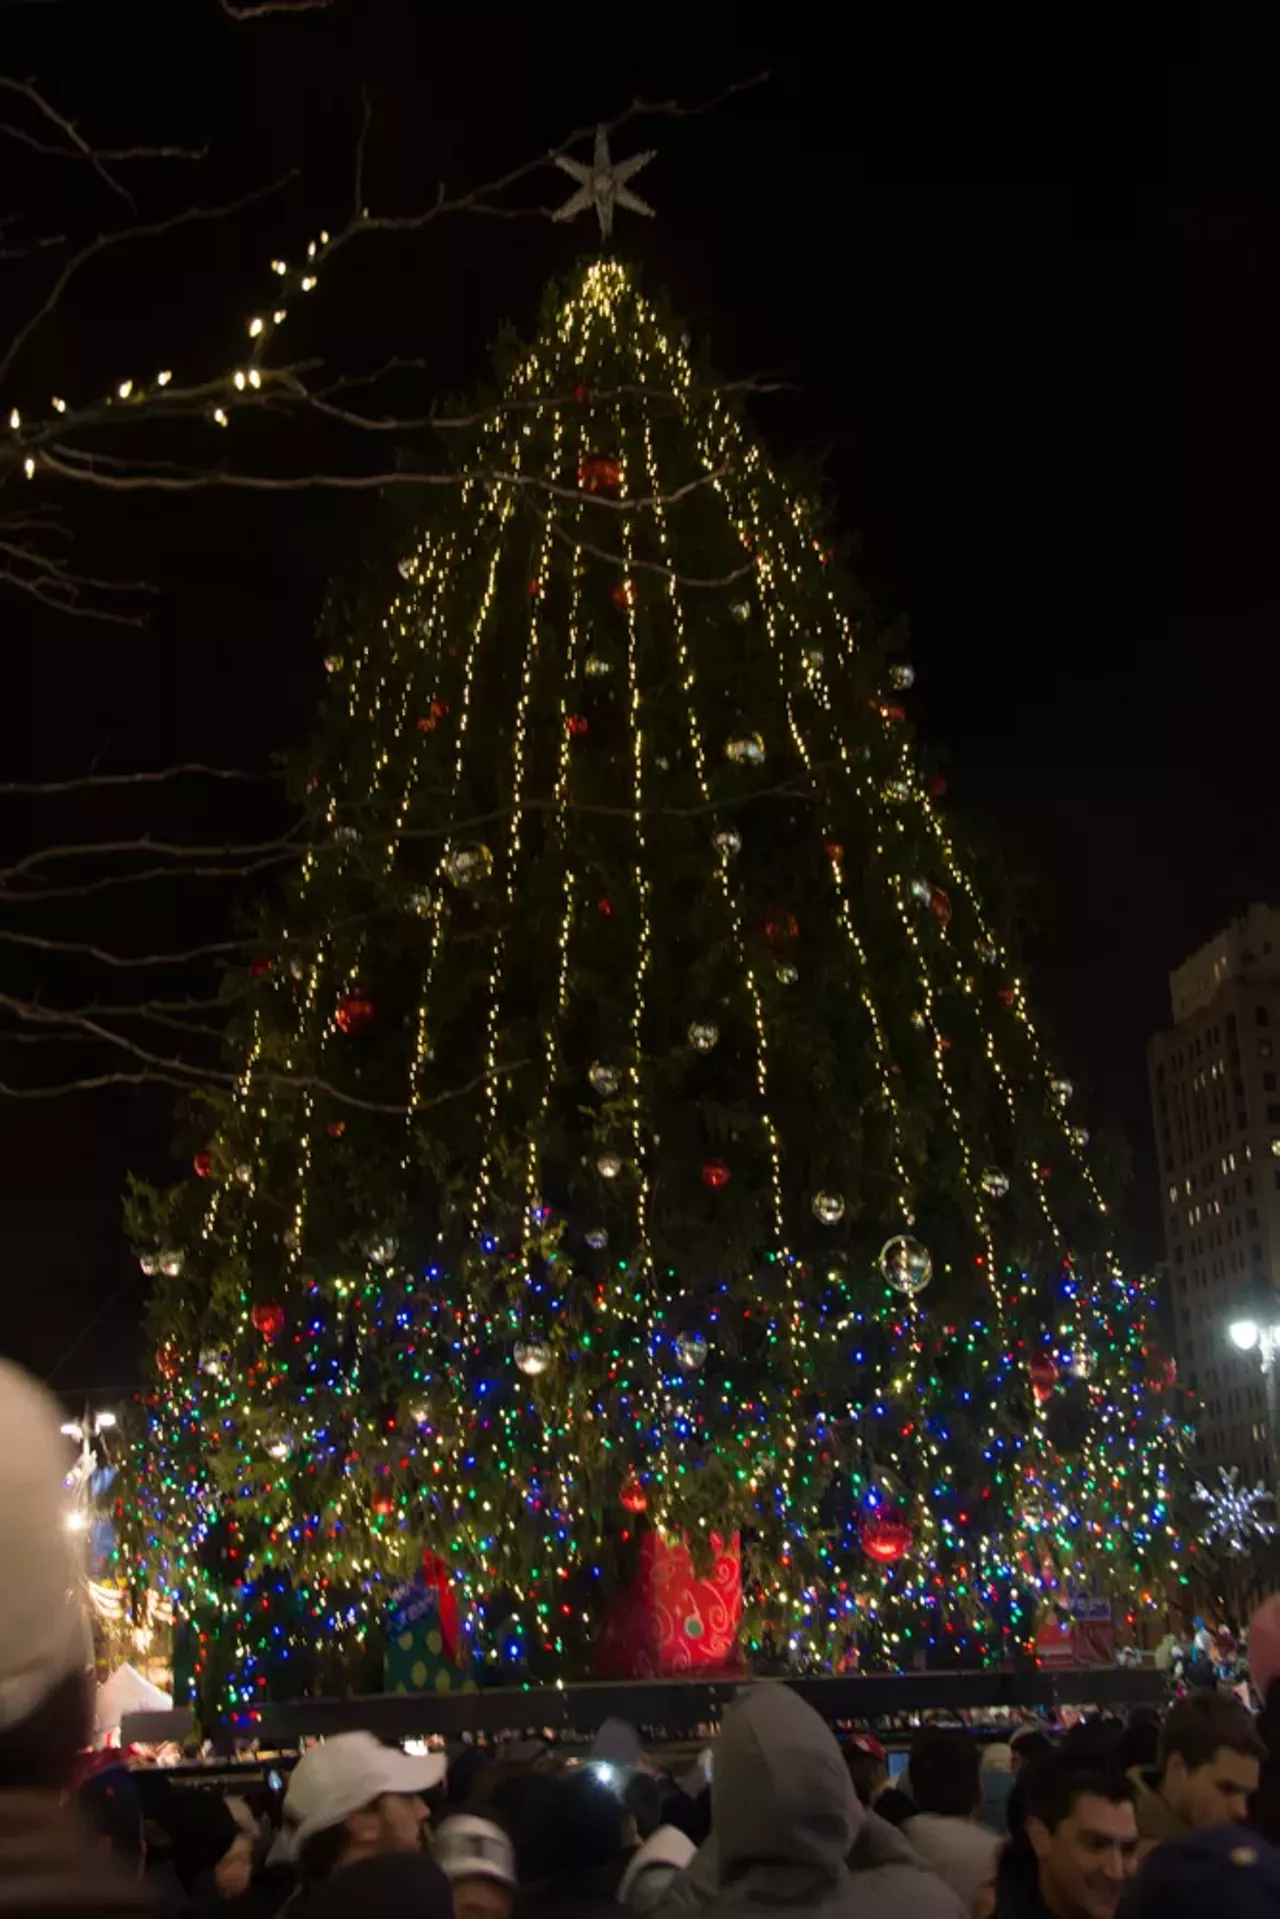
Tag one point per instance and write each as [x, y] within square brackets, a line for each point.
[1043, 1372]
[920, 890]
[691, 1351]
[828, 1208]
[605, 1080]
[906, 1263]
[467, 865]
[279, 1446]
[596, 666]
[608, 1165]
[703, 1034]
[1062, 1089]
[745, 749]
[896, 790]
[149, 1263]
[788, 974]
[212, 1362]
[1080, 1136]
[741, 611]
[268, 1319]
[886, 1535]
[244, 1172]
[345, 833]
[918, 1020]
[419, 901]
[728, 840]
[356, 1012]
[902, 675]
[331, 662]
[597, 1239]
[1084, 1362]
[170, 1262]
[995, 1183]
[381, 1250]
[533, 1356]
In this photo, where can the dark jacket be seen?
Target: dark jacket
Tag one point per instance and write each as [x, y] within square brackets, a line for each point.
[399, 1885]
[49, 1868]
[579, 1892]
[1264, 1807]
[1018, 1884]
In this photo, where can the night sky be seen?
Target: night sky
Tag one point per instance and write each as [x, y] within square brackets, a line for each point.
[1026, 293]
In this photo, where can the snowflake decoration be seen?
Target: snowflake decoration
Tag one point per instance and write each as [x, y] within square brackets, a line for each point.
[1233, 1518]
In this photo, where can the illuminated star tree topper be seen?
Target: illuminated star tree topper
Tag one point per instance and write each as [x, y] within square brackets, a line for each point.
[603, 185]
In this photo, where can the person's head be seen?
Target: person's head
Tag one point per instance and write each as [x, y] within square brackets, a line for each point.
[1083, 1832]
[945, 1766]
[479, 1861]
[112, 1808]
[642, 1797]
[353, 1798]
[1227, 1871]
[1140, 1741]
[1210, 1754]
[589, 1821]
[45, 1649]
[864, 1756]
[1028, 1743]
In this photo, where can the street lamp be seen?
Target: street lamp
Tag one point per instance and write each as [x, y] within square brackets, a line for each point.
[1245, 1333]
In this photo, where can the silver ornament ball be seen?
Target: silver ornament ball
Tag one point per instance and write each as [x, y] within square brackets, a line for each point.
[906, 1264]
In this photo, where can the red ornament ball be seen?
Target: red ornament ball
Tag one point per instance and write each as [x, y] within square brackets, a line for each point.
[599, 473]
[624, 593]
[579, 394]
[886, 1536]
[576, 725]
[356, 1012]
[1008, 995]
[202, 1165]
[715, 1173]
[833, 850]
[781, 926]
[605, 905]
[268, 1319]
[383, 1507]
[633, 1495]
[260, 968]
[1042, 1369]
[535, 589]
[937, 786]
[941, 904]
[336, 1128]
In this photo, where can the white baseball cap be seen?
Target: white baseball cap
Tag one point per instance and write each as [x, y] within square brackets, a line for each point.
[349, 1771]
[467, 1847]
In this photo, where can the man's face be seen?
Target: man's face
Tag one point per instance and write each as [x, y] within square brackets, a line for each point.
[401, 1817]
[1216, 1794]
[481, 1898]
[1086, 1864]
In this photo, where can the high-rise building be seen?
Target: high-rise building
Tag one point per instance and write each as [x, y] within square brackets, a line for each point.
[1215, 1100]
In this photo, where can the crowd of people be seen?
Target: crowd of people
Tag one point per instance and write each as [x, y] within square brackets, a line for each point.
[1149, 1818]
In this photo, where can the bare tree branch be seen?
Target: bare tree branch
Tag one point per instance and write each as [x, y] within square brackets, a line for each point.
[151, 230]
[78, 784]
[259, 9]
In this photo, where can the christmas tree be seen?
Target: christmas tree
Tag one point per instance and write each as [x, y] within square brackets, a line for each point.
[641, 1139]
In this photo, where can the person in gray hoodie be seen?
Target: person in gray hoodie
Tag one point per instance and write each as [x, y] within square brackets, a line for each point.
[788, 1834]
